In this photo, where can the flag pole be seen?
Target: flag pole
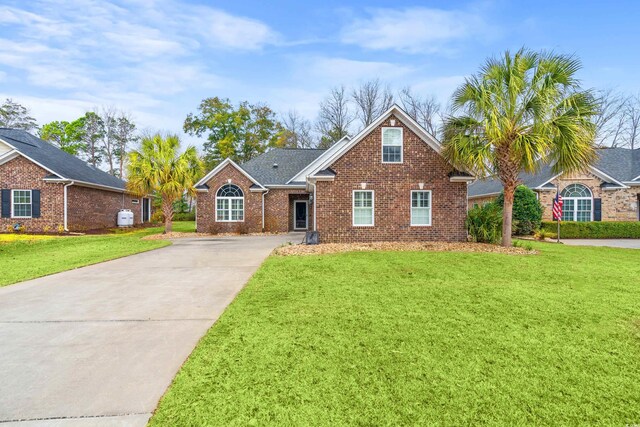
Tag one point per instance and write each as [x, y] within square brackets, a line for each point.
[558, 216]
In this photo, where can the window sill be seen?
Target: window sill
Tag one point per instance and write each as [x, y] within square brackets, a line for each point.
[230, 220]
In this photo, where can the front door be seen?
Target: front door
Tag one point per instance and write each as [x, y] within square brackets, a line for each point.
[300, 218]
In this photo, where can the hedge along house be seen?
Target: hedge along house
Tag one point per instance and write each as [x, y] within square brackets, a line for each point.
[607, 191]
[46, 189]
[387, 183]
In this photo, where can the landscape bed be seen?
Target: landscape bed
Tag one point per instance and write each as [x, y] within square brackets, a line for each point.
[422, 338]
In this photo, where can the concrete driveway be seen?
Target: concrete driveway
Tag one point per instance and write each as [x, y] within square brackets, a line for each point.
[612, 243]
[98, 346]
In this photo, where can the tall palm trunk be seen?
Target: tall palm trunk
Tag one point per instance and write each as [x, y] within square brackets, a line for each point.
[507, 215]
[167, 210]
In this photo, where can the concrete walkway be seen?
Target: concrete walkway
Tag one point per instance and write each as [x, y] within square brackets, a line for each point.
[98, 346]
[612, 243]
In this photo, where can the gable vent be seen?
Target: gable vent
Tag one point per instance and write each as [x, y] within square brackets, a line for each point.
[275, 165]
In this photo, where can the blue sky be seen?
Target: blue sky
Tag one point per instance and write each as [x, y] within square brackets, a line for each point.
[158, 58]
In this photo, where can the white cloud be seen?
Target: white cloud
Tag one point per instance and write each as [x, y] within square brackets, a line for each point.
[414, 30]
[335, 71]
[228, 31]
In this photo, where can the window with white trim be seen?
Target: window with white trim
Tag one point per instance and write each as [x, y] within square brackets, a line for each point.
[421, 207]
[577, 203]
[229, 204]
[392, 145]
[21, 204]
[362, 207]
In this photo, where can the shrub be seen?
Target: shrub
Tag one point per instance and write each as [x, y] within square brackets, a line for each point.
[527, 211]
[484, 223]
[595, 229]
[184, 216]
[157, 216]
[543, 234]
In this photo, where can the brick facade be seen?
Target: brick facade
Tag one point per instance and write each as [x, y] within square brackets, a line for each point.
[278, 215]
[22, 174]
[91, 208]
[87, 208]
[206, 205]
[617, 205]
[392, 185]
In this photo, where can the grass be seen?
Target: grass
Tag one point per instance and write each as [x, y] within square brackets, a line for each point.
[24, 256]
[422, 339]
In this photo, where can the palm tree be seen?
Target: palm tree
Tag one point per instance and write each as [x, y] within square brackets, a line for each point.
[518, 112]
[159, 167]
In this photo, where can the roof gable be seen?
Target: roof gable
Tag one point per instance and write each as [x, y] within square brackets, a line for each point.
[330, 157]
[202, 184]
[56, 161]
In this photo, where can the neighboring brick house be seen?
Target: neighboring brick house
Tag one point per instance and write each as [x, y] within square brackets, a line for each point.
[387, 183]
[607, 191]
[43, 188]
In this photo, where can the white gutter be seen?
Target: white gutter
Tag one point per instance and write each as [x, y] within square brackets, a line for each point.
[66, 228]
[263, 194]
[314, 204]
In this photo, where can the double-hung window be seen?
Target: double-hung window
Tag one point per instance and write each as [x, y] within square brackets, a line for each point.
[392, 145]
[363, 207]
[21, 204]
[229, 204]
[421, 207]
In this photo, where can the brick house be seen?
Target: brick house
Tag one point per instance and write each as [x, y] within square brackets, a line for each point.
[388, 183]
[607, 191]
[43, 188]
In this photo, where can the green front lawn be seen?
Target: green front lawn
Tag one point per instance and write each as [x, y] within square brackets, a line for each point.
[422, 339]
[24, 257]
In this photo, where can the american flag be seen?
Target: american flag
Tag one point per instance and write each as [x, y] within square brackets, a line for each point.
[557, 207]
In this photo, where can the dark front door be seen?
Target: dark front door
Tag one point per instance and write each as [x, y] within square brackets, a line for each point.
[146, 210]
[300, 215]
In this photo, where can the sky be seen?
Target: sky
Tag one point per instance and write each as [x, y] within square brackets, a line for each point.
[157, 59]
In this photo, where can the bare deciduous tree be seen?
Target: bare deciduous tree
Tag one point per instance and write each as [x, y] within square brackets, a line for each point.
[371, 99]
[611, 119]
[297, 131]
[632, 113]
[334, 117]
[426, 111]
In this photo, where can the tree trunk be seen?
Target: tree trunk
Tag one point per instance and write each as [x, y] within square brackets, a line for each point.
[167, 210]
[507, 212]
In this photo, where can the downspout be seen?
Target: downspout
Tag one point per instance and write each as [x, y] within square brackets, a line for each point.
[66, 199]
[264, 193]
[314, 205]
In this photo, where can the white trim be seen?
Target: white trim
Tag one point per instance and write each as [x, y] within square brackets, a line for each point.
[353, 208]
[430, 208]
[305, 202]
[13, 190]
[8, 156]
[401, 144]
[597, 172]
[65, 218]
[322, 177]
[282, 186]
[218, 168]
[462, 179]
[330, 157]
[302, 175]
[230, 208]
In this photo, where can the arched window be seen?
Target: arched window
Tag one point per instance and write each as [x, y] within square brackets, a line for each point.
[229, 204]
[577, 203]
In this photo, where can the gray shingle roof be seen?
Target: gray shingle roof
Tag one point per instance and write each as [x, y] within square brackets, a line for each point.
[622, 164]
[289, 162]
[59, 162]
